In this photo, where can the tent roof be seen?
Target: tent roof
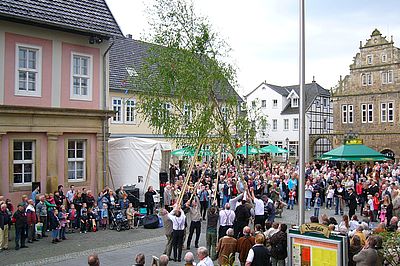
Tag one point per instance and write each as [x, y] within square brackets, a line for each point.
[353, 152]
[139, 143]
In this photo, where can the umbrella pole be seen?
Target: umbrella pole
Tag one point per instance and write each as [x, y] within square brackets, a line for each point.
[188, 174]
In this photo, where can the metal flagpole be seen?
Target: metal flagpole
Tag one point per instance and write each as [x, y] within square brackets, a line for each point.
[302, 140]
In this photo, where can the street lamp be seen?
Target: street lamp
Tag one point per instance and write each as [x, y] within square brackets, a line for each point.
[287, 148]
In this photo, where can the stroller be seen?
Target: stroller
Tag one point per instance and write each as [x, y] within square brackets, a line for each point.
[118, 221]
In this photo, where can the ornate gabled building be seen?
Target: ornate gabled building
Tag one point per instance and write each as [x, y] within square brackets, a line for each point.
[367, 101]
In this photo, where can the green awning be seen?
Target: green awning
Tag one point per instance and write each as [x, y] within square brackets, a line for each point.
[272, 149]
[353, 152]
[242, 150]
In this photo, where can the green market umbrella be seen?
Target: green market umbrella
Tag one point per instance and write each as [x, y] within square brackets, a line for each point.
[353, 152]
[242, 150]
[189, 151]
[272, 149]
[183, 152]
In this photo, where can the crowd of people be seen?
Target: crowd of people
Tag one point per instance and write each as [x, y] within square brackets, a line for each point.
[236, 207]
[38, 215]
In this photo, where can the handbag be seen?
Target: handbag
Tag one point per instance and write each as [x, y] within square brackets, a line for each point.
[39, 228]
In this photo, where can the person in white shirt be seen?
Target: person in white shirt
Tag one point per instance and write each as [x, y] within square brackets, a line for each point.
[226, 218]
[259, 217]
[178, 225]
[205, 260]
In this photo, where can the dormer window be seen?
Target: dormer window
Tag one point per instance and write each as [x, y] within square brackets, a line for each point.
[295, 102]
[369, 59]
[131, 72]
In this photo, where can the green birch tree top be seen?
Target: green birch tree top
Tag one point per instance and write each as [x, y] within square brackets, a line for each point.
[186, 87]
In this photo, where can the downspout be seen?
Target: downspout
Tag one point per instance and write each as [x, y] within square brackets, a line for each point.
[105, 121]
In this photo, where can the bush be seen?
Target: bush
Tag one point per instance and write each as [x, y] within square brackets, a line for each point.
[391, 248]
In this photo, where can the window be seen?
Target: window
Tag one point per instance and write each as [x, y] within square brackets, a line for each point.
[187, 112]
[344, 114]
[81, 77]
[167, 109]
[384, 58]
[363, 113]
[253, 104]
[370, 113]
[387, 112]
[366, 79]
[28, 71]
[131, 72]
[23, 162]
[264, 103]
[295, 124]
[117, 108]
[224, 112]
[274, 103]
[293, 148]
[387, 77]
[383, 112]
[285, 124]
[350, 113]
[324, 124]
[347, 113]
[390, 111]
[325, 102]
[369, 59]
[76, 160]
[274, 124]
[295, 102]
[130, 111]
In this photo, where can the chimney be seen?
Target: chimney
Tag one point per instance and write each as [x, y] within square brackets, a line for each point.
[129, 36]
[313, 79]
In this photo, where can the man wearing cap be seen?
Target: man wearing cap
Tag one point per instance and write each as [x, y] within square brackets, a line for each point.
[352, 202]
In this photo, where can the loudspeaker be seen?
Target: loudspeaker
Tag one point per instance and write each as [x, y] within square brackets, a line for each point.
[133, 195]
[163, 182]
[163, 177]
[35, 185]
[151, 221]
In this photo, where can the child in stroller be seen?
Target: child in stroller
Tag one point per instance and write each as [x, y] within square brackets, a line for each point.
[118, 220]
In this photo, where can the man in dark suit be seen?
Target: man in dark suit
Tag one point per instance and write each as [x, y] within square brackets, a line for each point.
[352, 202]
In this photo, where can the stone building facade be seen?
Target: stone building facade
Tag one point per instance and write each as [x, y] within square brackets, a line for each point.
[367, 101]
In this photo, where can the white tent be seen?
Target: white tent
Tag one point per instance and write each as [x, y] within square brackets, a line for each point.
[136, 161]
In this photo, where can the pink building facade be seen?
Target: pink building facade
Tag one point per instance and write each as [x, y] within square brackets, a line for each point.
[53, 113]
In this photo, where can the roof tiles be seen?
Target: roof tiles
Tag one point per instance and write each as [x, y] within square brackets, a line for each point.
[84, 16]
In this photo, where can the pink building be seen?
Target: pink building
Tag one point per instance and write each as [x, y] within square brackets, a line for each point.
[53, 94]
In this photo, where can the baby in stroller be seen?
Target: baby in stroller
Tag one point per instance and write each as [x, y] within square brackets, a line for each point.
[118, 220]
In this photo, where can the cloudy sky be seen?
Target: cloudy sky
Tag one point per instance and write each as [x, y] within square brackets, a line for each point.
[264, 34]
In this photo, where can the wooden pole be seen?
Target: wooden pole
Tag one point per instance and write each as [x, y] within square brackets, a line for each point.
[148, 172]
[188, 174]
[218, 167]
[197, 183]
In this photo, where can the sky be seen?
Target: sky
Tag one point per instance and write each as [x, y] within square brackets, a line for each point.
[264, 34]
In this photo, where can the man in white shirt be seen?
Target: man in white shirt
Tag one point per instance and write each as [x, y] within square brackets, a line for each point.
[178, 225]
[258, 210]
[205, 260]
[226, 218]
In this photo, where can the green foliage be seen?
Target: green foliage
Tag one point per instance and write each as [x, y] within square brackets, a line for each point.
[229, 259]
[186, 87]
[391, 248]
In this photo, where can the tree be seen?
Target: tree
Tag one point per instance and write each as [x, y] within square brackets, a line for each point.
[186, 85]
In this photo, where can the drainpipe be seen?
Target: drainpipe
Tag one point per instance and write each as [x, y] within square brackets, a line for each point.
[105, 121]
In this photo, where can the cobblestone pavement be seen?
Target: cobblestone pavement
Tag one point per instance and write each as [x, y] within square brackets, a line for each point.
[114, 248]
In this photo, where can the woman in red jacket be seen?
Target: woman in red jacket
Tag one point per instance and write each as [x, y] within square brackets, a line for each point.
[376, 206]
